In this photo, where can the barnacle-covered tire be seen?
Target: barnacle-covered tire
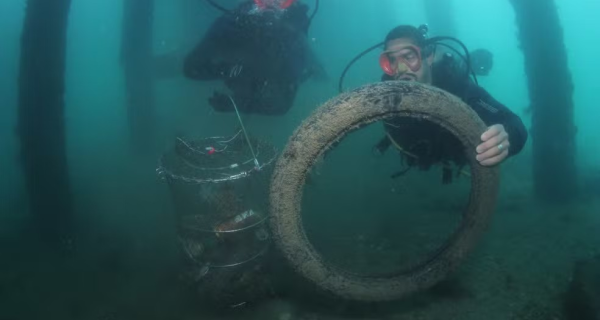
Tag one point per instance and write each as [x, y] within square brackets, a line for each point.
[328, 125]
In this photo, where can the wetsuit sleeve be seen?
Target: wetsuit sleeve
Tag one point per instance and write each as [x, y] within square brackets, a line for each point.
[493, 112]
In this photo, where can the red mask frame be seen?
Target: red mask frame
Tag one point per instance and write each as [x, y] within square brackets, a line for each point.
[283, 5]
[392, 68]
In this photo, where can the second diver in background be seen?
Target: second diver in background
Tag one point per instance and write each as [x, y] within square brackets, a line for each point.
[260, 51]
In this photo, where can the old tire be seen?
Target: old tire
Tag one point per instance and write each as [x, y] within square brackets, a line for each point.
[330, 123]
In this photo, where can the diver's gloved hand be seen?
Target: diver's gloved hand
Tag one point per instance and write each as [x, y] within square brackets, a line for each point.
[494, 148]
[220, 102]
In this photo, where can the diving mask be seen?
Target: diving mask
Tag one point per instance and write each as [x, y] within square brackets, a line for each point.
[400, 59]
[280, 4]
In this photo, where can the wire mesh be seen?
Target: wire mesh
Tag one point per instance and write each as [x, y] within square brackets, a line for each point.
[219, 186]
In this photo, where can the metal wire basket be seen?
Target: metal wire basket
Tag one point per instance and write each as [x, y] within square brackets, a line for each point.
[219, 187]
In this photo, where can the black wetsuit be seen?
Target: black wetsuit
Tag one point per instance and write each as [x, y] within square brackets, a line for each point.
[261, 57]
[433, 144]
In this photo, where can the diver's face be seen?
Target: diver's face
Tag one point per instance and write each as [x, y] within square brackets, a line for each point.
[406, 61]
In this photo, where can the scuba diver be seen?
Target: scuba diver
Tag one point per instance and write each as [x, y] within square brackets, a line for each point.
[409, 55]
[260, 50]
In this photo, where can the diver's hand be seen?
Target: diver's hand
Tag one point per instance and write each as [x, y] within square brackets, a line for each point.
[494, 148]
